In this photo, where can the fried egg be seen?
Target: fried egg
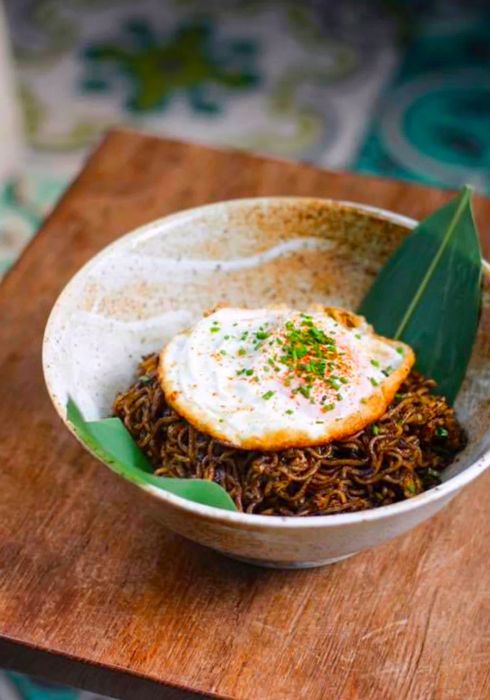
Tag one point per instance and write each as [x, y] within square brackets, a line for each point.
[273, 378]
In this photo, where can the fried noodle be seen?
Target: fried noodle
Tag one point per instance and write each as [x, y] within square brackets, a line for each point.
[398, 457]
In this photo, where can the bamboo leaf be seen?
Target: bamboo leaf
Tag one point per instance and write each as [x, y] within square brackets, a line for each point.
[111, 442]
[428, 294]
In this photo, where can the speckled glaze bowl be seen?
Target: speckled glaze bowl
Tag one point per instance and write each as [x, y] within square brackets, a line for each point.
[148, 285]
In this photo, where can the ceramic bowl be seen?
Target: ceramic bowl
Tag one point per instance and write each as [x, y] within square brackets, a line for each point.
[150, 284]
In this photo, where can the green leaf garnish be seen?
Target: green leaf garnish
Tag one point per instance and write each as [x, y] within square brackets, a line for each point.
[428, 293]
[110, 441]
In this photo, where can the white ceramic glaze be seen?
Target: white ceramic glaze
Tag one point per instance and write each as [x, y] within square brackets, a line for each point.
[150, 284]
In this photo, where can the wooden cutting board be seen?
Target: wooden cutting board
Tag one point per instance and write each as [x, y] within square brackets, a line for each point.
[95, 593]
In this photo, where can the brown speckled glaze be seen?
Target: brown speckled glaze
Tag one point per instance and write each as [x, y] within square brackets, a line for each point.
[147, 286]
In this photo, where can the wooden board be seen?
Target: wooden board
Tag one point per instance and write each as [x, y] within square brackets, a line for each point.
[94, 592]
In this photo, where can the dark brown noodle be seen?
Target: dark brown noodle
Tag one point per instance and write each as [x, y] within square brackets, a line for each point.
[399, 456]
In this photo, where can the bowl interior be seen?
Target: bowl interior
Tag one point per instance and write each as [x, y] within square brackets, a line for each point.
[147, 286]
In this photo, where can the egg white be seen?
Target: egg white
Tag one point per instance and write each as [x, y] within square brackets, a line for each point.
[231, 376]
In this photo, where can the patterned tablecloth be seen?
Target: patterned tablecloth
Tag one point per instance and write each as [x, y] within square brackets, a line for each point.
[397, 88]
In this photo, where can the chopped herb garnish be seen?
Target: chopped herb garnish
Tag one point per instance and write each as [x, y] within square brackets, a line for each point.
[328, 407]
[441, 432]
[215, 329]
[400, 350]
[411, 488]
[249, 372]
[374, 381]
[375, 363]
[307, 354]
[375, 429]
[242, 351]
[289, 412]
[320, 336]
[268, 395]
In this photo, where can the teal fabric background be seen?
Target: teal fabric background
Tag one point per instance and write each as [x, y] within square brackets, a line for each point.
[433, 122]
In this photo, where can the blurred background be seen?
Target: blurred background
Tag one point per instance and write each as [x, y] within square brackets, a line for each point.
[399, 88]
[396, 88]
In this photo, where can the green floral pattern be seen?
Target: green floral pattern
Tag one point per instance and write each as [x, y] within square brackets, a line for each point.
[191, 61]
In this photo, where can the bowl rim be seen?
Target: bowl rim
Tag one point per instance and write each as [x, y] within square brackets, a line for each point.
[252, 520]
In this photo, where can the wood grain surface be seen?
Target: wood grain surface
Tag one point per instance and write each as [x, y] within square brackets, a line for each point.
[94, 592]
